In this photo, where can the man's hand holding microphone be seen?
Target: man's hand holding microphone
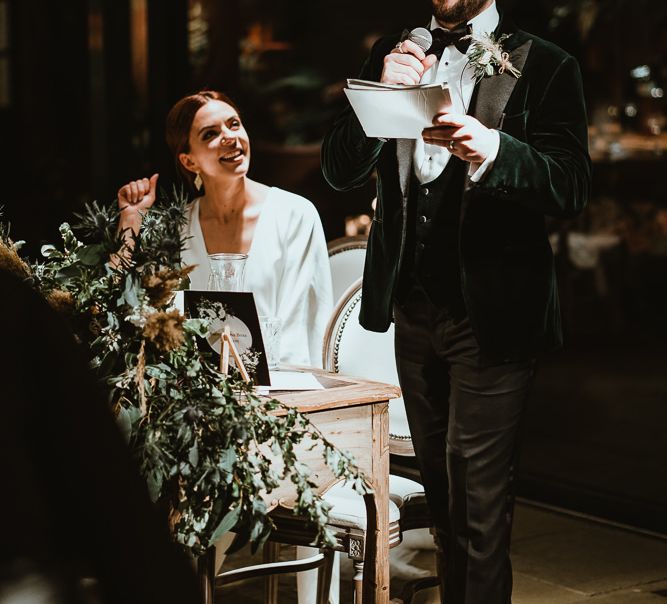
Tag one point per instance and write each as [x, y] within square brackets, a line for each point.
[407, 63]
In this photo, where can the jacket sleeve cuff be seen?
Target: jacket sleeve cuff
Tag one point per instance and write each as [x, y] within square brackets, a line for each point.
[477, 171]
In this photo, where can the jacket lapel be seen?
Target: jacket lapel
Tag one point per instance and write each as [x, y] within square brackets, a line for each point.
[493, 92]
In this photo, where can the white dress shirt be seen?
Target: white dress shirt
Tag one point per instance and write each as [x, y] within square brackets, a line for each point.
[430, 160]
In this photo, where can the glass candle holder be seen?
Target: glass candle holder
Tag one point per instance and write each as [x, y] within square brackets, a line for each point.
[271, 335]
[227, 271]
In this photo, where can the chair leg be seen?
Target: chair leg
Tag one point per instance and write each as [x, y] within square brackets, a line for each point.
[206, 575]
[270, 554]
[440, 563]
[324, 577]
[358, 580]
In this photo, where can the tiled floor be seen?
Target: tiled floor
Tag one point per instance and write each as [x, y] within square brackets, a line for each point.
[557, 559]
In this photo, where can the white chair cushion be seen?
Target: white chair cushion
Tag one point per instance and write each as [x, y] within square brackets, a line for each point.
[368, 354]
[398, 421]
[346, 267]
[348, 508]
[400, 489]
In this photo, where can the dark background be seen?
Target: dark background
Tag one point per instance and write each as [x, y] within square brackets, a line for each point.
[85, 86]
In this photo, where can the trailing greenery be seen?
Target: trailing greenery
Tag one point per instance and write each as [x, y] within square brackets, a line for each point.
[209, 448]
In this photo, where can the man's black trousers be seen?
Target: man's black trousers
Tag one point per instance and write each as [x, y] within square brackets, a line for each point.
[464, 416]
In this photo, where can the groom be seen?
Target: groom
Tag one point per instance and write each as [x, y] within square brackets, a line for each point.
[458, 256]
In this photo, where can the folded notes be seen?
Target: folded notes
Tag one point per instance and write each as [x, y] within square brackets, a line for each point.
[396, 111]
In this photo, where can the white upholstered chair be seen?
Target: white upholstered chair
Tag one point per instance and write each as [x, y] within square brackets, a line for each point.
[346, 258]
[350, 349]
[348, 519]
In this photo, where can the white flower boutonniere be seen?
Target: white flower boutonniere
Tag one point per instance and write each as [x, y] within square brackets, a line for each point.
[487, 57]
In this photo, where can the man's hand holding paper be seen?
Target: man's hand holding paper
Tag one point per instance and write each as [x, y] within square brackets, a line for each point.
[464, 136]
[397, 106]
[396, 111]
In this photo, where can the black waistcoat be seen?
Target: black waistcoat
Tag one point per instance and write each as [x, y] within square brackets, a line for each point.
[431, 255]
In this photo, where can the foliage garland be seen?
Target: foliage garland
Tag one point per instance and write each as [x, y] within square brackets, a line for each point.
[207, 446]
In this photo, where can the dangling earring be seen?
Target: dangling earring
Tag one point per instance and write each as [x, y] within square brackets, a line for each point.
[199, 183]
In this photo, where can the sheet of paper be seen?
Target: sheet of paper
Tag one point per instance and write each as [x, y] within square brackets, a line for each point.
[396, 112]
[370, 84]
[293, 380]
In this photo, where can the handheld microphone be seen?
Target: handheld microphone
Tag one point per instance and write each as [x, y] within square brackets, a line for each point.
[421, 37]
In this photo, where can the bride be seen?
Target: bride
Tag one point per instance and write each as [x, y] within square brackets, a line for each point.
[288, 266]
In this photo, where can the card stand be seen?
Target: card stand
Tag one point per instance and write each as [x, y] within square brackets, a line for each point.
[226, 346]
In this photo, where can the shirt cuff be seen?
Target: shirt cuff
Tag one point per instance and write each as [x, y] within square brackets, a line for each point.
[477, 171]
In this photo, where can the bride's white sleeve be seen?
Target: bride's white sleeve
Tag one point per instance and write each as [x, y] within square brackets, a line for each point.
[306, 302]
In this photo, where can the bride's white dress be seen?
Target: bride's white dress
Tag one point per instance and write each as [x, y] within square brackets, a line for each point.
[287, 270]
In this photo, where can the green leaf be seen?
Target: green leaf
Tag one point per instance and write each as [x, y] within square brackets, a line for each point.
[257, 529]
[124, 423]
[130, 293]
[198, 327]
[227, 459]
[227, 524]
[49, 250]
[154, 483]
[91, 255]
[193, 456]
[261, 539]
[108, 362]
[69, 272]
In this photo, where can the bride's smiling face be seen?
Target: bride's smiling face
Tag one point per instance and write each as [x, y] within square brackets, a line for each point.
[219, 143]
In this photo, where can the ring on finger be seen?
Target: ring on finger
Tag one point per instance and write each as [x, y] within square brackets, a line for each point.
[451, 145]
[399, 47]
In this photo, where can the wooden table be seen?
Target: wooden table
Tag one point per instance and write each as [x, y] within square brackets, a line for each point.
[353, 414]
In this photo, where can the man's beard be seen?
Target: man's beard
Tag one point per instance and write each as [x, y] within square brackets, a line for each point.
[461, 12]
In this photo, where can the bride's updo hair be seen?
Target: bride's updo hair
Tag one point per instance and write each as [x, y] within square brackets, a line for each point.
[179, 123]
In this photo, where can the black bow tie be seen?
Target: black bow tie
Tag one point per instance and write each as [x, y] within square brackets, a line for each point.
[442, 38]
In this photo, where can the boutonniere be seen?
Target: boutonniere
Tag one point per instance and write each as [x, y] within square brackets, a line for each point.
[487, 57]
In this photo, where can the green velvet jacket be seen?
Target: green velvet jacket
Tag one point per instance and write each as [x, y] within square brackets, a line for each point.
[542, 169]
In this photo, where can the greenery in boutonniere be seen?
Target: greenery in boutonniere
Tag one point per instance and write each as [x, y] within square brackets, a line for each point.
[206, 444]
[487, 57]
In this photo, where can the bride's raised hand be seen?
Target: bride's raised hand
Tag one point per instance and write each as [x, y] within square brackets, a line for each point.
[134, 200]
[138, 195]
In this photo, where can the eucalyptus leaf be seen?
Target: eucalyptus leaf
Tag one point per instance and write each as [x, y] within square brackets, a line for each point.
[130, 293]
[154, 483]
[261, 538]
[107, 362]
[227, 524]
[193, 456]
[91, 255]
[49, 250]
[68, 272]
[124, 423]
[257, 529]
[227, 459]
